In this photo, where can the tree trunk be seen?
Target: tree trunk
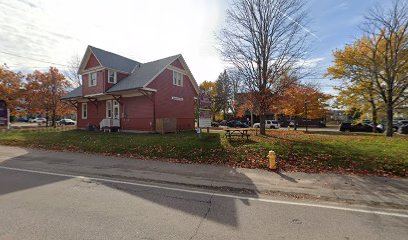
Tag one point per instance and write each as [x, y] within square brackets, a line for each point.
[53, 118]
[390, 113]
[374, 113]
[262, 124]
[252, 119]
[46, 118]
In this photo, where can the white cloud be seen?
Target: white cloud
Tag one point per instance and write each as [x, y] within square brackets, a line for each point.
[142, 30]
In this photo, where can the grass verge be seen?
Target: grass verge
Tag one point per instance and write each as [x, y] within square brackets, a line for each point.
[362, 154]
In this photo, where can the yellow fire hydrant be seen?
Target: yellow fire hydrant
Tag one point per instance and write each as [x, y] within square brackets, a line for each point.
[272, 160]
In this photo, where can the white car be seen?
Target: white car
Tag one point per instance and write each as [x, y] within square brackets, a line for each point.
[38, 120]
[67, 121]
[268, 124]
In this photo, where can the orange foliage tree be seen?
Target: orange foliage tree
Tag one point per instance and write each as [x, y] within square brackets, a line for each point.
[11, 85]
[45, 90]
[295, 99]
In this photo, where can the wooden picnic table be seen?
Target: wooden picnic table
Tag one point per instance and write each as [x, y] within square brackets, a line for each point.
[230, 132]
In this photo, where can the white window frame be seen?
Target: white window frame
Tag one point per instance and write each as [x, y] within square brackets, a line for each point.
[109, 109]
[91, 83]
[84, 109]
[178, 81]
[115, 104]
[114, 76]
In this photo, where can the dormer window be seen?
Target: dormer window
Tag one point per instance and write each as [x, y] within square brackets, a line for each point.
[92, 79]
[177, 79]
[112, 76]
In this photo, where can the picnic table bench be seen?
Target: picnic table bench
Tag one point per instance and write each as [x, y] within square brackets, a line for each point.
[230, 132]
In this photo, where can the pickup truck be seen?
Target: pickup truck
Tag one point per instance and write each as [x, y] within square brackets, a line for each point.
[269, 124]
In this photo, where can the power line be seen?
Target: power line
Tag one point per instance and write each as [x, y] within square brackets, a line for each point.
[33, 59]
[22, 66]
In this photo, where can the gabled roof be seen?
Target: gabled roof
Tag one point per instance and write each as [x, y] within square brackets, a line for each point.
[140, 74]
[143, 74]
[109, 60]
[77, 92]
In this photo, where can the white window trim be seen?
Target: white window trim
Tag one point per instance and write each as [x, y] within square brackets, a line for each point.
[107, 109]
[115, 104]
[115, 76]
[84, 107]
[175, 83]
[90, 79]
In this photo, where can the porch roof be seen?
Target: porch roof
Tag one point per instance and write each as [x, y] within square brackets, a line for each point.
[77, 92]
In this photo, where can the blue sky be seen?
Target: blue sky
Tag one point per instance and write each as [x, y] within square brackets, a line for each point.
[56, 30]
[336, 22]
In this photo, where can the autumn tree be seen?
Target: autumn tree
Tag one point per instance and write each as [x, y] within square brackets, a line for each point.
[246, 102]
[45, 90]
[358, 87]
[11, 88]
[360, 96]
[380, 57]
[303, 101]
[264, 40]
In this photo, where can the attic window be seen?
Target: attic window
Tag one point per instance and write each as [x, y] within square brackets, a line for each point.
[177, 79]
[112, 76]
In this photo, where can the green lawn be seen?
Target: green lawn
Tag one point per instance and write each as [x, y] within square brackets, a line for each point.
[368, 153]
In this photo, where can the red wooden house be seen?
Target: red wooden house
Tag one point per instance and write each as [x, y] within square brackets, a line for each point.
[118, 92]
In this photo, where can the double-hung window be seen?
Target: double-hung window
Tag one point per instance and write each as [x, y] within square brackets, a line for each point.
[109, 109]
[92, 79]
[84, 110]
[177, 79]
[112, 76]
[112, 109]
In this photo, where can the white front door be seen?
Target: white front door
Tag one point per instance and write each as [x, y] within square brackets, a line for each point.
[116, 113]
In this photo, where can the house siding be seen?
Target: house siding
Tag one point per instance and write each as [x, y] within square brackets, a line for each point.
[96, 112]
[166, 107]
[119, 76]
[136, 114]
[92, 62]
[100, 83]
[177, 64]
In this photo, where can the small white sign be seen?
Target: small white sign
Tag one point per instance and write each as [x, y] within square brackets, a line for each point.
[204, 122]
[177, 98]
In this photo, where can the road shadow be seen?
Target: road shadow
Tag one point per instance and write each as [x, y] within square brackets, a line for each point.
[222, 210]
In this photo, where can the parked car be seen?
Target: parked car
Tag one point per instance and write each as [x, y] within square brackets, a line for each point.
[67, 121]
[269, 124]
[403, 129]
[21, 119]
[401, 122]
[236, 124]
[223, 123]
[215, 124]
[359, 127]
[38, 120]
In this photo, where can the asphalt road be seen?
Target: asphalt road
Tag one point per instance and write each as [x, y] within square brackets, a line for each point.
[44, 205]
